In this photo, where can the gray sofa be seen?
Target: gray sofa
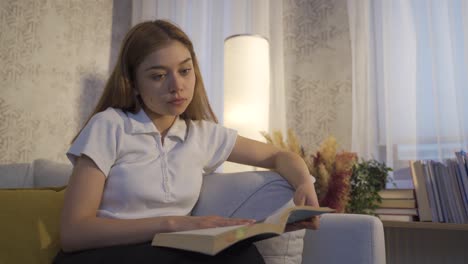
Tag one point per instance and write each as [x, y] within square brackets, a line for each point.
[342, 238]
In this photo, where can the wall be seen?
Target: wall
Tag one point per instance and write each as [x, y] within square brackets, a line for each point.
[54, 59]
[318, 71]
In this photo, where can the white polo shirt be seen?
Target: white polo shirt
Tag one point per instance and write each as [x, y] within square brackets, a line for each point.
[145, 178]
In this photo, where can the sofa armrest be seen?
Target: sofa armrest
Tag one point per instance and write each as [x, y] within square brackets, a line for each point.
[345, 238]
[253, 194]
[16, 175]
[48, 173]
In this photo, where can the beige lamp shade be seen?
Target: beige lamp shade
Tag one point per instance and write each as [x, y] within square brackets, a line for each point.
[246, 88]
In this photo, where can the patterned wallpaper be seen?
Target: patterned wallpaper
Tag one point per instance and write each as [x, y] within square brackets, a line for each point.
[54, 59]
[318, 71]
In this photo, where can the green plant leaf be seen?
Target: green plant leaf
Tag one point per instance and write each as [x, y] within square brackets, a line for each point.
[368, 178]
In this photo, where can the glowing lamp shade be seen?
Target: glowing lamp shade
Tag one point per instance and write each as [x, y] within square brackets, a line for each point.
[246, 88]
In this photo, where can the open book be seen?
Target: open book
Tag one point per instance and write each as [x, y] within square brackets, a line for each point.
[211, 241]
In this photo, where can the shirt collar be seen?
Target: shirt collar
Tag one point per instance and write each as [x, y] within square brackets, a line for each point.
[140, 123]
[178, 129]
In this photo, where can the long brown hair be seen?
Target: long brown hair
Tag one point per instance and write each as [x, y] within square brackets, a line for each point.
[139, 42]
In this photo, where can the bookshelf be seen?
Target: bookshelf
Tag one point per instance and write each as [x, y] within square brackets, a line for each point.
[425, 242]
[440, 189]
[426, 225]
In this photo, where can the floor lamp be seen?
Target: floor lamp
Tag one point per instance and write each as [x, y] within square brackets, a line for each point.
[246, 88]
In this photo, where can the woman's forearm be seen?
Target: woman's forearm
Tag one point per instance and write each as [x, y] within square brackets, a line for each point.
[292, 167]
[95, 232]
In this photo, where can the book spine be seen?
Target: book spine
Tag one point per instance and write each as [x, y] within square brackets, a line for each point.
[464, 204]
[430, 192]
[463, 179]
[436, 190]
[420, 189]
[461, 217]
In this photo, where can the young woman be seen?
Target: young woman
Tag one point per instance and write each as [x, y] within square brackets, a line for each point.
[139, 159]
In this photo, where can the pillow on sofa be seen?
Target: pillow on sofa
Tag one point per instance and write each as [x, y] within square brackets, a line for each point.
[30, 224]
[284, 249]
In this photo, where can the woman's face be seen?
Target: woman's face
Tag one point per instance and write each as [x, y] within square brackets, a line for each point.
[165, 80]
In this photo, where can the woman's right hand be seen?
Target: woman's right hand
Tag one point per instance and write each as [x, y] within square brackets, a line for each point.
[184, 223]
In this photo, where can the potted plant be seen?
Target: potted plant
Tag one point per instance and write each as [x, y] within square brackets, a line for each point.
[343, 183]
[368, 178]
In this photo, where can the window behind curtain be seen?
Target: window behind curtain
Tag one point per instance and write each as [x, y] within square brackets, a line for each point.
[415, 68]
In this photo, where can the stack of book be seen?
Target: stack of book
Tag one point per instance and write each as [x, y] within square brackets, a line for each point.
[397, 205]
[442, 189]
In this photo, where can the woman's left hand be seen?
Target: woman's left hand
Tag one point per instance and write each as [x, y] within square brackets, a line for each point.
[305, 195]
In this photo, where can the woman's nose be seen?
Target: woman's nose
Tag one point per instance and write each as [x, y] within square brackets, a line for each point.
[176, 84]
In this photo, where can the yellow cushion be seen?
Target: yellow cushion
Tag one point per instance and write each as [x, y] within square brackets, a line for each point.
[29, 224]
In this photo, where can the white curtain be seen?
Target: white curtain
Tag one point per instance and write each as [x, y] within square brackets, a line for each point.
[410, 86]
[208, 23]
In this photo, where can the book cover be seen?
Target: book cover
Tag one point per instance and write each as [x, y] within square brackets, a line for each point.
[455, 191]
[397, 203]
[397, 194]
[420, 188]
[462, 158]
[430, 191]
[400, 218]
[211, 241]
[396, 211]
[442, 196]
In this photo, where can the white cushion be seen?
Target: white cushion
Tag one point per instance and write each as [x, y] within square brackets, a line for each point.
[285, 249]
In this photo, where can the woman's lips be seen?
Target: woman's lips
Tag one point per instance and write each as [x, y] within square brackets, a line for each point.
[177, 101]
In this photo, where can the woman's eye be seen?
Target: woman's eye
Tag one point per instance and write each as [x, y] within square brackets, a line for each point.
[158, 77]
[185, 71]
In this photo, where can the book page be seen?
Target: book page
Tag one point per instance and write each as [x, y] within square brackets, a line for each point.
[297, 214]
[274, 218]
[209, 231]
